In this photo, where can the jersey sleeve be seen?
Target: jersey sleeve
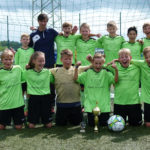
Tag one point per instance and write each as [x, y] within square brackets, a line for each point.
[83, 68]
[110, 78]
[31, 41]
[82, 78]
[100, 42]
[23, 77]
[55, 33]
[137, 63]
[17, 58]
[77, 36]
[52, 79]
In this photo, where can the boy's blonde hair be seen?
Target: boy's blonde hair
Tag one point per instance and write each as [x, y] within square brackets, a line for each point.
[25, 35]
[66, 52]
[146, 50]
[125, 51]
[84, 25]
[7, 52]
[111, 24]
[99, 56]
[66, 24]
[146, 24]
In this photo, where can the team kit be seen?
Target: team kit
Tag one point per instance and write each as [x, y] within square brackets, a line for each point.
[33, 86]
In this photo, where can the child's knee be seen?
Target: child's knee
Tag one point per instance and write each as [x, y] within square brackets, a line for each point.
[2, 127]
[18, 127]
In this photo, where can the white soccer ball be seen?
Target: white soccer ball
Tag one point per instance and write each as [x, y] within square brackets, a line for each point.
[116, 123]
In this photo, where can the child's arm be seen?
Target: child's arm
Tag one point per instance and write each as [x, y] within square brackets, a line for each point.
[112, 62]
[76, 70]
[97, 35]
[116, 71]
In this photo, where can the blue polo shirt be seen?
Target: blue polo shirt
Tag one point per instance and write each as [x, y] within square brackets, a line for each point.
[44, 41]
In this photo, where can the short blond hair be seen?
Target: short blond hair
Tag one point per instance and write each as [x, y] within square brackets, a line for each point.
[25, 35]
[146, 50]
[6, 53]
[111, 24]
[146, 24]
[66, 52]
[99, 56]
[66, 24]
[84, 25]
[124, 51]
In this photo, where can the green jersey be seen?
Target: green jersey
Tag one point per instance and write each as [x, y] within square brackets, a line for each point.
[111, 46]
[10, 88]
[146, 43]
[38, 83]
[96, 89]
[84, 48]
[135, 48]
[22, 56]
[145, 79]
[63, 42]
[127, 87]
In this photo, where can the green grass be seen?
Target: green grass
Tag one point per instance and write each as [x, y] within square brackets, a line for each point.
[69, 138]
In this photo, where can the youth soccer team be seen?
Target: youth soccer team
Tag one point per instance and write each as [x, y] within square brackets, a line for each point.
[82, 78]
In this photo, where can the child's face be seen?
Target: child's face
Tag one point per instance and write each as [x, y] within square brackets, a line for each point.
[85, 32]
[25, 41]
[7, 61]
[147, 58]
[132, 35]
[67, 61]
[97, 64]
[146, 30]
[67, 30]
[43, 23]
[124, 60]
[39, 62]
[112, 29]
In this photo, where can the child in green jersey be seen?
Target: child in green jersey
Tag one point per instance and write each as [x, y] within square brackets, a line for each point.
[22, 57]
[134, 46]
[68, 92]
[146, 31]
[144, 66]
[97, 82]
[127, 100]
[11, 99]
[112, 42]
[85, 45]
[38, 87]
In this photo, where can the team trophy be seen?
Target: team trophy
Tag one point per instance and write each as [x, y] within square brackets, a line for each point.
[96, 112]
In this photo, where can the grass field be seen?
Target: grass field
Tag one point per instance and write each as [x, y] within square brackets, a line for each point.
[69, 138]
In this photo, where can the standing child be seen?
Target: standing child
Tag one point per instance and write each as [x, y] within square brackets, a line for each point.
[146, 31]
[134, 46]
[112, 42]
[144, 66]
[97, 82]
[11, 99]
[22, 57]
[38, 81]
[85, 45]
[127, 100]
[68, 92]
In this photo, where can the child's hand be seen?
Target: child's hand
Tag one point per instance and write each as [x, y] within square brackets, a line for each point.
[112, 62]
[114, 65]
[74, 30]
[12, 50]
[78, 64]
[98, 35]
[89, 58]
[140, 41]
[33, 28]
[61, 33]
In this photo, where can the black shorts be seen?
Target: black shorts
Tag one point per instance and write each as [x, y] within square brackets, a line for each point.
[39, 107]
[133, 112]
[103, 118]
[24, 87]
[17, 114]
[72, 115]
[146, 112]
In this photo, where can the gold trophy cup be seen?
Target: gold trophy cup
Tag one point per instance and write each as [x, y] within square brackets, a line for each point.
[96, 112]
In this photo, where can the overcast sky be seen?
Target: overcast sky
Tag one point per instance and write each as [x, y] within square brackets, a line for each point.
[95, 12]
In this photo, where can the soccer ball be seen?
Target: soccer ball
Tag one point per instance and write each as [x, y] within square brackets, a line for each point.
[116, 123]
